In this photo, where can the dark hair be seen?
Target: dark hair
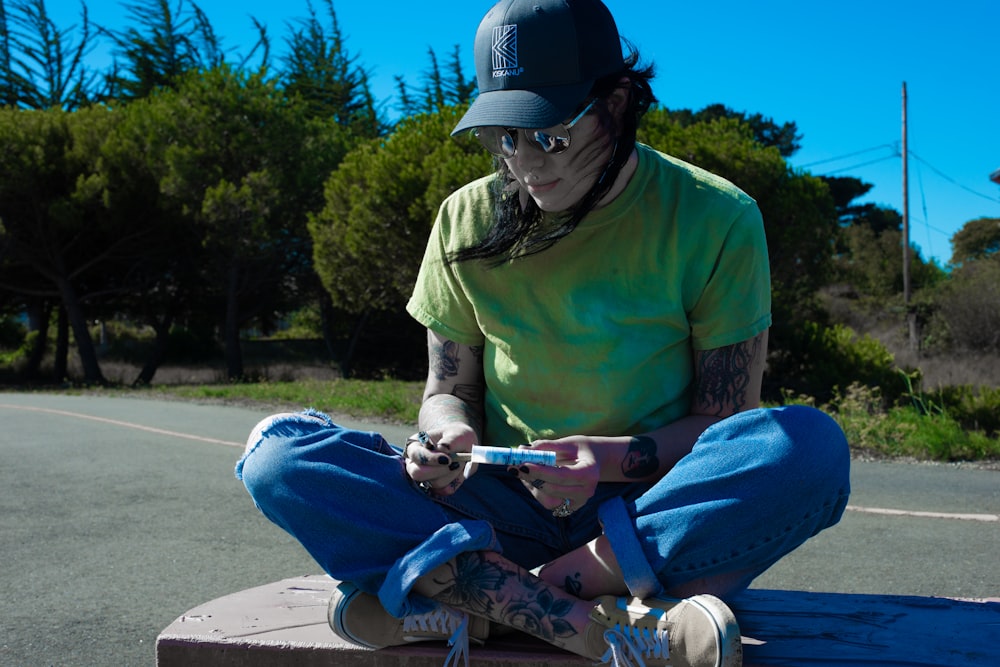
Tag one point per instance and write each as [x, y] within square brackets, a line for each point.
[517, 231]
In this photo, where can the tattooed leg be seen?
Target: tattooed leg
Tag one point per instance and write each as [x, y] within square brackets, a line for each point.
[486, 584]
[588, 571]
[592, 570]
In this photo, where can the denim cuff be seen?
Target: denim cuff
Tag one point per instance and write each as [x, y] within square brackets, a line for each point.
[619, 528]
[449, 541]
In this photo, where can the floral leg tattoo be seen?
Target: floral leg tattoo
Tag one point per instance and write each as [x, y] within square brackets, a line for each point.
[503, 592]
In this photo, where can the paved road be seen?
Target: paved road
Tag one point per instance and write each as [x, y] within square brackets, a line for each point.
[118, 514]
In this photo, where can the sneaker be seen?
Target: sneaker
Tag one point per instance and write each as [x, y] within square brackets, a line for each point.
[700, 631]
[361, 619]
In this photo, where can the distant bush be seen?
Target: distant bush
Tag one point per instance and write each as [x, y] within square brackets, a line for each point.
[921, 430]
[11, 355]
[825, 359]
[969, 306]
[303, 324]
[975, 408]
[12, 333]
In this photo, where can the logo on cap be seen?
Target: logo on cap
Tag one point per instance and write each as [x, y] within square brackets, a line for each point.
[505, 51]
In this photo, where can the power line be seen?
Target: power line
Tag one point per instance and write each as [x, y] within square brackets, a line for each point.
[952, 180]
[863, 164]
[923, 201]
[894, 147]
[844, 157]
[932, 228]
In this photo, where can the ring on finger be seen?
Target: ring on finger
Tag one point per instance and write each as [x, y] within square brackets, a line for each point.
[563, 510]
[537, 483]
[420, 437]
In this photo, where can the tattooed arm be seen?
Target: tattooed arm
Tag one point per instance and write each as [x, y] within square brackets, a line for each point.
[727, 380]
[453, 397]
[451, 414]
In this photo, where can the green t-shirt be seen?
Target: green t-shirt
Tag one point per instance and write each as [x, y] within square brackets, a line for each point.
[595, 335]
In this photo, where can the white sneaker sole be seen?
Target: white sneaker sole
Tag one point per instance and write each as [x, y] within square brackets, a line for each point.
[730, 643]
[347, 592]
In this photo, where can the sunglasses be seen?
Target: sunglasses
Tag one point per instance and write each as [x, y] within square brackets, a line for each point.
[502, 141]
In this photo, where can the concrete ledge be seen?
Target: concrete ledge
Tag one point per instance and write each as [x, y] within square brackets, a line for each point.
[284, 624]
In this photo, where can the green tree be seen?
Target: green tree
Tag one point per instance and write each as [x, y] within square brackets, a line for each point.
[439, 88]
[165, 281]
[42, 64]
[765, 131]
[977, 239]
[380, 205]
[844, 190]
[320, 70]
[243, 164]
[968, 305]
[873, 264]
[57, 241]
[163, 43]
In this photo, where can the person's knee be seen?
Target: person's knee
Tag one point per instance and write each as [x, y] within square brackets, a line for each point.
[825, 441]
[263, 468]
[823, 460]
[269, 459]
[804, 453]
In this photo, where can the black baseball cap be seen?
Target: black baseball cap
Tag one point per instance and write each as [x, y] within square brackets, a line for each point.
[536, 60]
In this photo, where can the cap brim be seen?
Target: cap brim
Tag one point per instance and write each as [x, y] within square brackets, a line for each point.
[543, 107]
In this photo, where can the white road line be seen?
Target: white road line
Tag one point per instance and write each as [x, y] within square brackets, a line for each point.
[116, 422]
[925, 515]
[199, 438]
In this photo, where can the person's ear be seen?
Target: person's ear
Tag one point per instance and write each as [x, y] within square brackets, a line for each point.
[618, 99]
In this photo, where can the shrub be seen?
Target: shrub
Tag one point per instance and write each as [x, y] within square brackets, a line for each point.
[822, 359]
[921, 430]
[975, 408]
[969, 305]
[12, 356]
[12, 333]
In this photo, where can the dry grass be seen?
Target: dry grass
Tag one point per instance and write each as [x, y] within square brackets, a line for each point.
[979, 370]
[121, 373]
[886, 323]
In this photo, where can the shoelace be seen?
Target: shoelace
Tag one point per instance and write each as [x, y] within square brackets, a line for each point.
[441, 620]
[627, 646]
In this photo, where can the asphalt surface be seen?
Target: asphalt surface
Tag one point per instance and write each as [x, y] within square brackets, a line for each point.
[117, 515]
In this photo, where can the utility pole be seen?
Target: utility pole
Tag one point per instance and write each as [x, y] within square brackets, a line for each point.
[911, 317]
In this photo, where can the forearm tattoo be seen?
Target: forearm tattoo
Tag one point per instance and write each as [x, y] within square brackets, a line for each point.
[444, 409]
[506, 594]
[470, 393]
[465, 400]
[724, 376]
[444, 360]
[640, 460]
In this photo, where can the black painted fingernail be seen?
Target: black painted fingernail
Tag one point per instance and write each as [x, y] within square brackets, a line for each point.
[513, 471]
[455, 465]
[444, 459]
[524, 469]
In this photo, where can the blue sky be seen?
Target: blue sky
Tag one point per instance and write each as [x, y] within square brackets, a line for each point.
[835, 69]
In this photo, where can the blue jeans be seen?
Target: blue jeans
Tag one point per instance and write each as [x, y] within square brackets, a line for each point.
[754, 487]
